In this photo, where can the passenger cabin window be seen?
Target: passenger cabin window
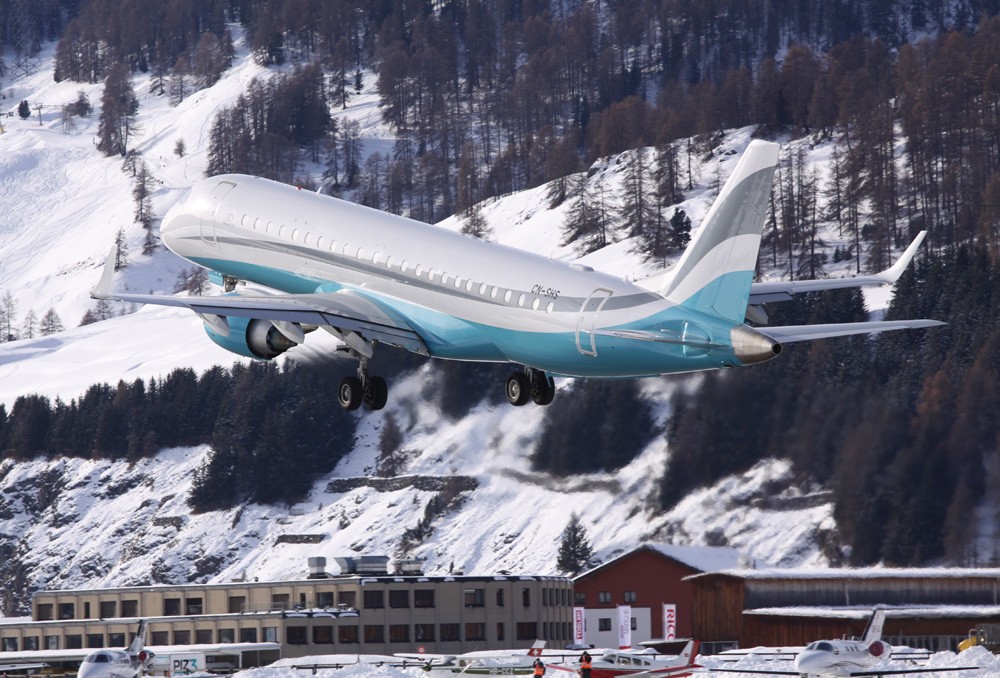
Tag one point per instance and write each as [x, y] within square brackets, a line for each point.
[493, 292]
[243, 220]
[282, 231]
[482, 288]
[506, 297]
[307, 237]
[418, 271]
[319, 243]
[388, 262]
[534, 304]
[295, 234]
[256, 224]
[333, 245]
[361, 253]
[520, 300]
[469, 285]
[549, 306]
[270, 227]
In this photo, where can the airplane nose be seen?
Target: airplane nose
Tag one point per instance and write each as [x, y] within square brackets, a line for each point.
[809, 661]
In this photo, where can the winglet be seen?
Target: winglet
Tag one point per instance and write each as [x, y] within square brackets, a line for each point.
[102, 290]
[891, 274]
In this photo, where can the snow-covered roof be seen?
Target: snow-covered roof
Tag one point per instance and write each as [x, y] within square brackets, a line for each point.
[701, 558]
[857, 573]
[892, 612]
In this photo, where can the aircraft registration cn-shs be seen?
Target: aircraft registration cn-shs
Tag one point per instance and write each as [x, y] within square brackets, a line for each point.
[368, 277]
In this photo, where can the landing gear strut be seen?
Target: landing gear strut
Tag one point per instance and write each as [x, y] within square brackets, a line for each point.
[529, 384]
[372, 391]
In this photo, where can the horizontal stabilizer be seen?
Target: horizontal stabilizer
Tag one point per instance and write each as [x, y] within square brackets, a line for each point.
[783, 290]
[792, 333]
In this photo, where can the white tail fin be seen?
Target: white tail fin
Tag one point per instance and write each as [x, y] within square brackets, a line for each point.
[873, 631]
[139, 642]
[536, 648]
[715, 272]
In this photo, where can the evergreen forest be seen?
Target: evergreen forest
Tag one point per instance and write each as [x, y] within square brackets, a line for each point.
[490, 97]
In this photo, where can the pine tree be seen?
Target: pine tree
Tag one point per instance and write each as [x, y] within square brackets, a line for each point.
[121, 250]
[476, 224]
[8, 308]
[574, 549]
[118, 108]
[24, 110]
[29, 325]
[51, 323]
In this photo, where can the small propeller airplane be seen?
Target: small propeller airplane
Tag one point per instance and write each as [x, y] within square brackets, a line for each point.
[615, 663]
[368, 277]
[845, 658]
[131, 662]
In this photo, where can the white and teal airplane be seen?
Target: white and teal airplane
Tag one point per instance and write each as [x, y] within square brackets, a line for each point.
[368, 277]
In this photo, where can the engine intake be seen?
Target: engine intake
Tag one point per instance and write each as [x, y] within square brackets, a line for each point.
[265, 341]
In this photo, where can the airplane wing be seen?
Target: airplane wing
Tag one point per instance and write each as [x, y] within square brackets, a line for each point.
[21, 667]
[791, 333]
[345, 311]
[766, 292]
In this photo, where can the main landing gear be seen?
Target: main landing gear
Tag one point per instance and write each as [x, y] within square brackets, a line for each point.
[364, 389]
[529, 384]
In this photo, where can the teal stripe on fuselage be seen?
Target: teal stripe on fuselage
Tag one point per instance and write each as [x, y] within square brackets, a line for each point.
[449, 337]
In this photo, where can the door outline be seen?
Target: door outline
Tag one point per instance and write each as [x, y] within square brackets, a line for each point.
[587, 319]
[211, 212]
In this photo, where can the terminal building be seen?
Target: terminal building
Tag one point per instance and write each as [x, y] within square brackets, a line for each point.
[364, 611]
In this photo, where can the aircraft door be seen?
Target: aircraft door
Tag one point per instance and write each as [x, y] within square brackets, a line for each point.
[211, 213]
[587, 319]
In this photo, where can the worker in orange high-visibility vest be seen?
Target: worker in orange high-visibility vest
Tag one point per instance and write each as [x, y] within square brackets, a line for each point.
[539, 668]
[585, 664]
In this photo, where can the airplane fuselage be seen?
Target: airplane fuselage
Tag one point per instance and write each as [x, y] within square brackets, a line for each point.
[468, 299]
[109, 664]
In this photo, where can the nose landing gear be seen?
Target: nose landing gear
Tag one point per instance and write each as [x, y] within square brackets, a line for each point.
[529, 384]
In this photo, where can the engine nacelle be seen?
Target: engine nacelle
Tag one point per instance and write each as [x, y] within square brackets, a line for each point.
[879, 648]
[251, 337]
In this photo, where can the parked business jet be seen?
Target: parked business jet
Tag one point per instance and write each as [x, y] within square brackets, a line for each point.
[369, 277]
[845, 658]
[128, 663]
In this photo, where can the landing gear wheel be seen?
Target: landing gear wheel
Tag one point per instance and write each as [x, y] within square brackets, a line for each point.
[349, 394]
[376, 393]
[517, 389]
[543, 389]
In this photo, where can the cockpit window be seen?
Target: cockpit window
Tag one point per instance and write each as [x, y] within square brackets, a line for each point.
[99, 658]
[826, 647]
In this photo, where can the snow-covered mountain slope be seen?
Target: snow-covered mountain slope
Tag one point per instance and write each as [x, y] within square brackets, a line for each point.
[72, 523]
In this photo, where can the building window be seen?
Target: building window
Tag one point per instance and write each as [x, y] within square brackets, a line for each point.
[236, 604]
[474, 597]
[423, 632]
[86, 611]
[630, 596]
[74, 642]
[51, 642]
[296, 635]
[500, 631]
[130, 608]
[399, 598]
[67, 611]
[95, 640]
[449, 632]
[248, 635]
[604, 624]
[10, 644]
[374, 633]
[227, 635]
[203, 636]
[399, 633]
[43, 612]
[182, 637]
[279, 601]
[545, 598]
[604, 597]
[116, 640]
[632, 625]
[323, 635]
[374, 600]
[159, 638]
[324, 599]
[31, 643]
[109, 609]
[475, 631]
[526, 630]
[580, 598]
[499, 597]
[423, 598]
[347, 635]
[171, 607]
[526, 597]
[270, 634]
[347, 598]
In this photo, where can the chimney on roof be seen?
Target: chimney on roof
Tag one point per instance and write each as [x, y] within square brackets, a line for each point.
[317, 568]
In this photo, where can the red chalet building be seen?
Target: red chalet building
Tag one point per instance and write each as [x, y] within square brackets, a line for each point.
[645, 578]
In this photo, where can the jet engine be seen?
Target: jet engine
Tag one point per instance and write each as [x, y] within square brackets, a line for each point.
[251, 337]
[879, 648]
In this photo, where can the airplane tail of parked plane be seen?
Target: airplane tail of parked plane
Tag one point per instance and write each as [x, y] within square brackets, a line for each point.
[139, 641]
[536, 648]
[714, 274]
[873, 631]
